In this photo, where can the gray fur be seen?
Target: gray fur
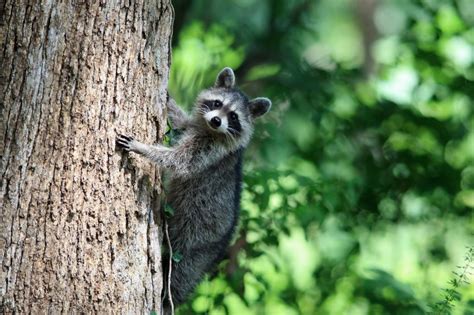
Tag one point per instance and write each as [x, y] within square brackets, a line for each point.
[225, 78]
[259, 106]
[205, 183]
[177, 115]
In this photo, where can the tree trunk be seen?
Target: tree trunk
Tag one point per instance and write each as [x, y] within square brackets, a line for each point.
[77, 230]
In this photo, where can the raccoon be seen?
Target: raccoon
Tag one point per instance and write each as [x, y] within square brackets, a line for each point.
[205, 176]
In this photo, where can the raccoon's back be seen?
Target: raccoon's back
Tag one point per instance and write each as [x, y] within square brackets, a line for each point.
[206, 205]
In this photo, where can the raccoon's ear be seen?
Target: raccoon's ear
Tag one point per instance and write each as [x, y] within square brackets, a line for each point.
[259, 106]
[225, 78]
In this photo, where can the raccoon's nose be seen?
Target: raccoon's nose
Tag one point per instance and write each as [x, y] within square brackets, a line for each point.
[215, 122]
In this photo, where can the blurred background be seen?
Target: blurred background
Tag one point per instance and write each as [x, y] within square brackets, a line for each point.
[359, 184]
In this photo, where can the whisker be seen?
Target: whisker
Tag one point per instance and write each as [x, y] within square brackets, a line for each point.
[233, 131]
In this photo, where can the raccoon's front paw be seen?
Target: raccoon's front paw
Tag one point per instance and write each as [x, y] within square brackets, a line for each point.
[125, 142]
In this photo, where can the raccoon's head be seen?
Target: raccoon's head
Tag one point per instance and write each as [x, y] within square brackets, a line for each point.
[227, 112]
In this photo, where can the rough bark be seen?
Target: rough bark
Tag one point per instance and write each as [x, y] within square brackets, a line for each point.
[77, 230]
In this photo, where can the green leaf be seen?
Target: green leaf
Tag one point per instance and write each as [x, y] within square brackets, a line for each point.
[177, 257]
[168, 134]
[171, 135]
[169, 211]
[449, 21]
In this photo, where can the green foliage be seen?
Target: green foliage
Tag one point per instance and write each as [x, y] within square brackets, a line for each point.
[452, 294]
[359, 184]
[169, 211]
[201, 51]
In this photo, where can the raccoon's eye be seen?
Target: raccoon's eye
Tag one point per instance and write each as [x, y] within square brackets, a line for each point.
[217, 104]
[233, 116]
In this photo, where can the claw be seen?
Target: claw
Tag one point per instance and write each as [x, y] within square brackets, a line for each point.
[126, 138]
[123, 142]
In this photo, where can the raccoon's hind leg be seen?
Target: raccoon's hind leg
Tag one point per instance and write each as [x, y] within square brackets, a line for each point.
[186, 275]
